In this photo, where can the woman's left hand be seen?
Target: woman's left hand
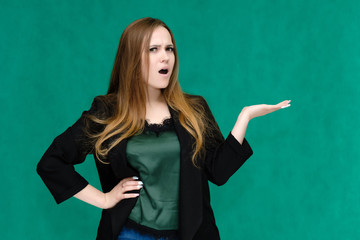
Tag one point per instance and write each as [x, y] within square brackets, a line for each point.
[250, 112]
[262, 109]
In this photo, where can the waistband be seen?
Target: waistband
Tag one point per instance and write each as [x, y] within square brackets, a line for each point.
[167, 234]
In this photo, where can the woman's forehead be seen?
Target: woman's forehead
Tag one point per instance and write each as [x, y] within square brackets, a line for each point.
[160, 36]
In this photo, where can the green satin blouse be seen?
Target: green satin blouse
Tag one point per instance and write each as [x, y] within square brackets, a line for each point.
[156, 156]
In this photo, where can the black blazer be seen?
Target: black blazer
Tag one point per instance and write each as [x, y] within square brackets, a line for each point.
[196, 218]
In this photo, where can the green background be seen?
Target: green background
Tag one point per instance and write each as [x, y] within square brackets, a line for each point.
[302, 181]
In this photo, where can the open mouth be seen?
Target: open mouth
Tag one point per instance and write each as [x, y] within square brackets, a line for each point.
[163, 71]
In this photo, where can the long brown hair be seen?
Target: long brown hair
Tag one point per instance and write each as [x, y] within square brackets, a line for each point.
[127, 94]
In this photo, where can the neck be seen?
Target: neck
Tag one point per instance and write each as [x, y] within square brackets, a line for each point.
[154, 96]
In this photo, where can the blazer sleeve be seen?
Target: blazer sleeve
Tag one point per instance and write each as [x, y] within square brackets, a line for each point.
[56, 167]
[223, 156]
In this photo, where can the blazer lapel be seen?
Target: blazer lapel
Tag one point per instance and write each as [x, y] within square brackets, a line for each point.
[190, 202]
[117, 156]
[121, 169]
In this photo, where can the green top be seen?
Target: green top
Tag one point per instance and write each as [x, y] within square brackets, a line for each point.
[156, 155]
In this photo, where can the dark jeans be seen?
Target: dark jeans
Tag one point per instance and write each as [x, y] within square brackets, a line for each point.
[131, 234]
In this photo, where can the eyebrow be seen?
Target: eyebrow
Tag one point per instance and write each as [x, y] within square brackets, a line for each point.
[157, 45]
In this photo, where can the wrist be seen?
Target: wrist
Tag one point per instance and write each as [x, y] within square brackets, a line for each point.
[105, 204]
[244, 115]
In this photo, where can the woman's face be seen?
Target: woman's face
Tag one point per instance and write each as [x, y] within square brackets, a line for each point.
[161, 59]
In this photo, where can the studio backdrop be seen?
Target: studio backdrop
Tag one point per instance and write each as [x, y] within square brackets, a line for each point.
[302, 181]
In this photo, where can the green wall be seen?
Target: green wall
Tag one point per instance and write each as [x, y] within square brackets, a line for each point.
[302, 181]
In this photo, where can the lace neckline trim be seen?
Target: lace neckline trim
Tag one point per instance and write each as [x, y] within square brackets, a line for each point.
[160, 123]
[166, 124]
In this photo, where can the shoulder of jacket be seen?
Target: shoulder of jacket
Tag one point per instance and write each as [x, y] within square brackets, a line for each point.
[195, 98]
[102, 105]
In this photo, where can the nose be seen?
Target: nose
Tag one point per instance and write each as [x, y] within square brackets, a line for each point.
[164, 56]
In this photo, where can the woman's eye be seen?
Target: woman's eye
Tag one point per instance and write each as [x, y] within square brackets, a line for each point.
[153, 49]
[170, 49]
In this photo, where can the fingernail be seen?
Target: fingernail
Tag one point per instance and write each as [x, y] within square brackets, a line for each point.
[140, 182]
[135, 177]
[139, 186]
[286, 106]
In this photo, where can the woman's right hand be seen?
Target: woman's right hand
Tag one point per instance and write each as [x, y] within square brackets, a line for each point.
[119, 192]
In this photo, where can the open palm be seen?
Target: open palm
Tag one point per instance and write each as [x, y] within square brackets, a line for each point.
[263, 109]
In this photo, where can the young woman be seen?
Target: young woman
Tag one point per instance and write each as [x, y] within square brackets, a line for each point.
[155, 147]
